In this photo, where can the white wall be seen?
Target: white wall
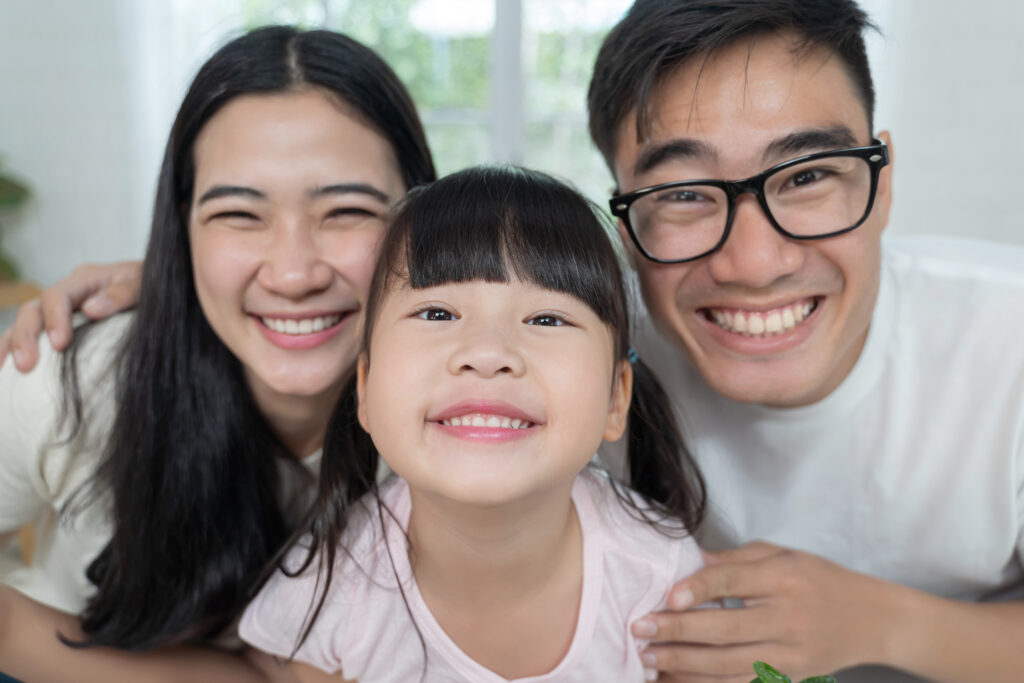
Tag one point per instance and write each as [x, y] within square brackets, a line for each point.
[87, 91]
[87, 94]
[950, 77]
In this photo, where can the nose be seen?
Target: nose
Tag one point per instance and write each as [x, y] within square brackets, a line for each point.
[755, 253]
[487, 350]
[293, 266]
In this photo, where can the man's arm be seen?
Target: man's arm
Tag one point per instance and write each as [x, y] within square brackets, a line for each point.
[30, 651]
[99, 291]
[807, 616]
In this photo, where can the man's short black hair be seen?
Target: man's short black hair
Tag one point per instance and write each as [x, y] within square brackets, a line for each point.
[656, 36]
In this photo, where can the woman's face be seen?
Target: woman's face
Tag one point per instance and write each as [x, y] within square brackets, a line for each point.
[288, 208]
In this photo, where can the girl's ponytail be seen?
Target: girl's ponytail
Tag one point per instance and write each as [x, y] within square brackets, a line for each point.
[660, 466]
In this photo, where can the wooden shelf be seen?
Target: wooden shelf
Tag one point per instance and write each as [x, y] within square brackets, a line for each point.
[17, 292]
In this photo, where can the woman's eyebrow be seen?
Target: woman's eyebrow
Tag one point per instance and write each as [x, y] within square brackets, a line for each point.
[218, 191]
[346, 188]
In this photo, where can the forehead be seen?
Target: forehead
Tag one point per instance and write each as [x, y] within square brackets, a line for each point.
[742, 97]
[291, 139]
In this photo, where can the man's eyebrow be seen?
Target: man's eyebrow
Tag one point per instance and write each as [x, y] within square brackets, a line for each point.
[218, 191]
[680, 148]
[346, 188]
[808, 141]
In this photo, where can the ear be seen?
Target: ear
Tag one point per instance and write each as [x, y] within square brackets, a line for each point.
[362, 367]
[883, 197]
[618, 404]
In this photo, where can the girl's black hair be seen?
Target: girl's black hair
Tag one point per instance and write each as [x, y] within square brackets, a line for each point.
[495, 223]
[191, 467]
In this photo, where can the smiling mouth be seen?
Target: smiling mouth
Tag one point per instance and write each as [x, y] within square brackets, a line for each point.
[776, 321]
[300, 326]
[487, 420]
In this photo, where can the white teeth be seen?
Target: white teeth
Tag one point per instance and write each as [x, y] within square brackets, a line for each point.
[493, 421]
[788, 321]
[756, 324]
[303, 326]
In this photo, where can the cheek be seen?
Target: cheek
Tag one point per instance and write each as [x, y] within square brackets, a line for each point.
[221, 267]
[354, 257]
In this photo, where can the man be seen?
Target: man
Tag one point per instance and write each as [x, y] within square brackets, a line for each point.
[860, 406]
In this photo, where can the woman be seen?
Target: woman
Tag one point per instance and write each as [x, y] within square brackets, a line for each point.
[181, 473]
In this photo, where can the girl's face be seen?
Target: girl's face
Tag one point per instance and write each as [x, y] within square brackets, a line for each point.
[485, 393]
[288, 207]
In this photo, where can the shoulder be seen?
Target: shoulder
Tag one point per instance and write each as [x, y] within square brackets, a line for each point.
[632, 534]
[956, 260]
[32, 405]
[354, 598]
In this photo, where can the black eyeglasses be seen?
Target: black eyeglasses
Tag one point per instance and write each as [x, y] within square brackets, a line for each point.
[807, 198]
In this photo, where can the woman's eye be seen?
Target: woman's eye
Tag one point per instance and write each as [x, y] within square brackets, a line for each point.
[240, 215]
[351, 212]
[435, 314]
[546, 320]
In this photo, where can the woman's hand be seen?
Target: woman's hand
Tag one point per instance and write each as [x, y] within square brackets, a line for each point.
[98, 291]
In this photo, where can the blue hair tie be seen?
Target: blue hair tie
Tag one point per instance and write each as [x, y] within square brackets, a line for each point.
[631, 356]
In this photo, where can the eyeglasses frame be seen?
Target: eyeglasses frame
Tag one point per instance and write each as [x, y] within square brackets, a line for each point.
[876, 154]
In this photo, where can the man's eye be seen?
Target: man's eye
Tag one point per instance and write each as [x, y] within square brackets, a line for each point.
[435, 314]
[546, 319]
[807, 176]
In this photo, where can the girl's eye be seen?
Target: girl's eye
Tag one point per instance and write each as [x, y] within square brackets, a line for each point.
[435, 315]
[546, 320]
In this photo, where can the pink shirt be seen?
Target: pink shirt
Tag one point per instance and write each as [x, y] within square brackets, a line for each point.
[365, 632]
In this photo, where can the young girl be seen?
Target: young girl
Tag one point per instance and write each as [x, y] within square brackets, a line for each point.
[495, 359]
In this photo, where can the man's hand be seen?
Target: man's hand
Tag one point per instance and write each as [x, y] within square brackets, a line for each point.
[802, 614]
[98, 291]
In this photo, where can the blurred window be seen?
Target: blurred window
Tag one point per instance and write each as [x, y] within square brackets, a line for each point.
[494, 80]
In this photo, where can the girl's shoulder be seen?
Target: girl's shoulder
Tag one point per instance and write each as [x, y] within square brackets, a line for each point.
[630, 530]
[363, 587]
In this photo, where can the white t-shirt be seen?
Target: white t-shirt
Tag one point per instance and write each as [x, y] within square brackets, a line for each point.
[39, 473]
[912, 470]
[365, 629]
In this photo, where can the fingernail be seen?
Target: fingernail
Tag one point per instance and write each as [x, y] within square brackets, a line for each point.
[645, 628]
[53, 338]
[649, 659]
[96, 307]
[680, 599]
[650, 674]
[18, 357]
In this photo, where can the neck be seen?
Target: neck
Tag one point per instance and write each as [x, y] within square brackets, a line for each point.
[488, 557]
[299, 421]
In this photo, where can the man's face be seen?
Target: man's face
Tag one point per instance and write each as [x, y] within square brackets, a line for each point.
[752, 105]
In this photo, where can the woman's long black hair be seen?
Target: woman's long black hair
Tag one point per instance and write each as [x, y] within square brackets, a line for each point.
[191, 467]
[495, 223]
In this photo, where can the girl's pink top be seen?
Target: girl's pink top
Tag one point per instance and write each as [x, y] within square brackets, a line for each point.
[365, 630]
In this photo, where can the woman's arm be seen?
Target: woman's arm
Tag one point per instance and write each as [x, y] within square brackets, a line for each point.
[99, 291]
[31, 651]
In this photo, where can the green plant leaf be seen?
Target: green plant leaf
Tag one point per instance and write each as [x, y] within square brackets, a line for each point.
[819, 679]
[12, 192]
[768, 674]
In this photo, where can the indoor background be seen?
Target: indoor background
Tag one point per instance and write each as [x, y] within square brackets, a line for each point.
[88, 91]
